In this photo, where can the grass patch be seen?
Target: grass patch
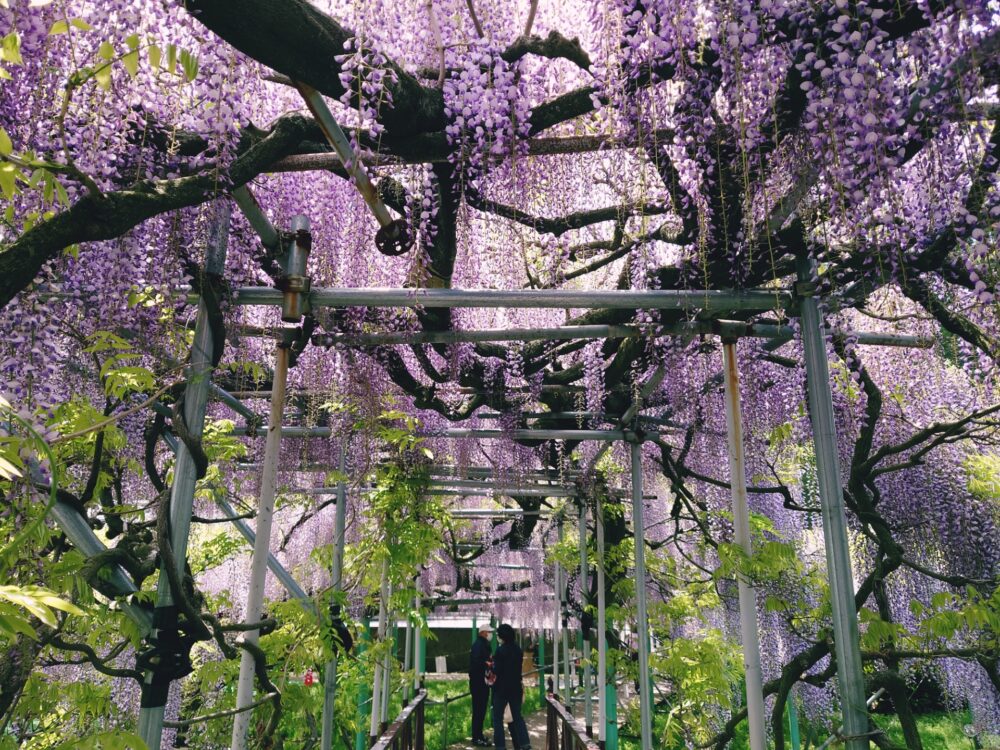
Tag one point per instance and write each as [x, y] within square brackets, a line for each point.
[941, 731]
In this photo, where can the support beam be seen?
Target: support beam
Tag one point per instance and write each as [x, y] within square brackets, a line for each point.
[559, 299]
[779, 335]
[846, 638]
[602, 626]
[336, 586]
[165, 619]
[83, 538]
[564, 614]
[741, 525]
[588, 708]
[374, 727]
[262, 543]
[269, 236]
[461, 434]
[642, 617]
[273, 564]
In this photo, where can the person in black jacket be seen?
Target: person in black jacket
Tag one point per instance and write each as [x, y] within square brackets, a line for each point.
[508, 690]
[479, 656]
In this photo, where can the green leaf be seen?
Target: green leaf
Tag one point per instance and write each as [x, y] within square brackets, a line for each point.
[103, 77]
[8, 179]
[10, 49]
[155, 55]
[59, 27]
[8, 470]
[189, 63]
[13, 625]
[81, 24]
[6, 146]
[106, 50]
[131, 63]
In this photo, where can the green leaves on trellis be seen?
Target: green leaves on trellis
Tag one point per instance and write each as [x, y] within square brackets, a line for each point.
[18, 603]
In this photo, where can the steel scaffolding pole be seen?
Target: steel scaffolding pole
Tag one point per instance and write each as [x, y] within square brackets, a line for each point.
[567, 679]
[383, 618]
[741, 525]
[269, 236]
[602, 626]
[838, 555]
[642, 617]
[418, 654]
[261, 548]
[199, 372]
[459, 434]
[274, 565]
[387, 669]
[778, 334]
[556, 643]
[651, 299]
[336, 586]
[585, 632]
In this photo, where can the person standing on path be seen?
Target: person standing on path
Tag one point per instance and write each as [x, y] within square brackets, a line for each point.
[508, 690]
[479, 656]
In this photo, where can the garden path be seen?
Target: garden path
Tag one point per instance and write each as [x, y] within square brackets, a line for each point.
[536, 731]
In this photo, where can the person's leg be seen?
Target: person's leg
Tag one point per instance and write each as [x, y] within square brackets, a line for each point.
[519, 731]
[499, 704]
[480, 697]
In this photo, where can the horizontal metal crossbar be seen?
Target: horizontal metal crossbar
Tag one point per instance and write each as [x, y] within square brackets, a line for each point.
[666, 299]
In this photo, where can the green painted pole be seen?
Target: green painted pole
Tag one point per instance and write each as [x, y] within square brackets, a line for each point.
[541, 667]
[793, 722]
[475, 627]
[361, 735]
[611, 709]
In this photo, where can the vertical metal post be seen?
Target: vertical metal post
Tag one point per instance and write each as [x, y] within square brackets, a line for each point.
[361, 736]
[155, 688]
[261, 548]
[741, 525]
[330, 679]
[642, 617]
[407, 656]
[567, 677]
[555, 632]
[383, 613]
[387, 668]
[602, 627]
[541, 667]
[838, 556]
[418, 659]
[588, 706]
[793, 721]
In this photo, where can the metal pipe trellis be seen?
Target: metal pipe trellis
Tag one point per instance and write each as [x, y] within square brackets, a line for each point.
[295, 268]
[167, 656]
[838, 555]
[662, 299]
[336, 585]
[585, 654]
[741, 526]
[706, 300]
[779, 335]
[642, 618]
[261, 549]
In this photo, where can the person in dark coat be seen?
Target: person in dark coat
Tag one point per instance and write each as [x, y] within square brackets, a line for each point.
[480, 655]
[508, 690]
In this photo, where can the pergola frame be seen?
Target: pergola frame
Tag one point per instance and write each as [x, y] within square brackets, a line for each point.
[295, 299]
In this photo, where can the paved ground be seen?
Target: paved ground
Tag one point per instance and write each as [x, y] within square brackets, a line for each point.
[536, 730]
